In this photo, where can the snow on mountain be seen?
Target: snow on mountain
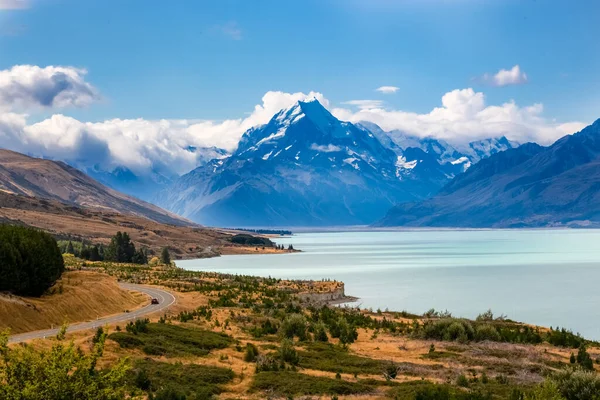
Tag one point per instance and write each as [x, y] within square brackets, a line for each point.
[304, 167]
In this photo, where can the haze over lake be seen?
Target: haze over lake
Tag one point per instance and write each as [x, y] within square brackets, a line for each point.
[544, 277]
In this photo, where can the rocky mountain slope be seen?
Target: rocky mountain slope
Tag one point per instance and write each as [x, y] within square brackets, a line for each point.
[304, 168]
[527, 186]
[51, 180]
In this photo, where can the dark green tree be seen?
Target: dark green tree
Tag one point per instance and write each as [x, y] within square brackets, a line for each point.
[584, 359]
[165, 256]
[30, 260]
[140, 257]
[120, 249]
[70, 248]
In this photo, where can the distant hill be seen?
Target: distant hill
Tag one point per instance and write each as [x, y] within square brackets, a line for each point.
[52, 180]
[530, 186]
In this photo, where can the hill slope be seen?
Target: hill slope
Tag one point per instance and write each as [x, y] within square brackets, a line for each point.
[51, 180]
[527, 186]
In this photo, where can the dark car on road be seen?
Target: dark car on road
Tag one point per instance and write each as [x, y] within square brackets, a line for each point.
[154, 301]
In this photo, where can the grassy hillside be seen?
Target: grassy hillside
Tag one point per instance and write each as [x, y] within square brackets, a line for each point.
[77, 296]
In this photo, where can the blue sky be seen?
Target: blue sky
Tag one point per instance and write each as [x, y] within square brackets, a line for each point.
[215, 59]
[463, 69]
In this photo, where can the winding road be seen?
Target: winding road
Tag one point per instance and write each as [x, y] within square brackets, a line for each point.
[165, 300]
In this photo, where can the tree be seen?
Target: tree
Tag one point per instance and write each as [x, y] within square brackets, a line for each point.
[30, 260]
[70, 248]
[95, 254]
[140, 257]
[120, 249]
[584, 359]
[165, 257]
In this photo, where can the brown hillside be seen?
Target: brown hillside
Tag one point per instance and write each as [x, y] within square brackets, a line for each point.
[76, 297]
[51, 180]
[75, 223]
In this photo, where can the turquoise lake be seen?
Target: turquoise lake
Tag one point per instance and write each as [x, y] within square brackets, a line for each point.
[544, 277]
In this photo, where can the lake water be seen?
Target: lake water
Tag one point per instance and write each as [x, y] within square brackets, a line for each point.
[545, 277]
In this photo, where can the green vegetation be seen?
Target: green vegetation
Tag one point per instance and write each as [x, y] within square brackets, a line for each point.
[250, 240]
[188, 381]
[287, 383]
[165, 256]
[328, 357]
[63, 372]
[30, 261]
[171, 340]
[122, 250]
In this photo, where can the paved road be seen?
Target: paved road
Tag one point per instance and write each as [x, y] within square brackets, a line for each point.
[165, 300]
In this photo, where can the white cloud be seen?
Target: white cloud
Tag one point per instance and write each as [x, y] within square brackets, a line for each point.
[464, 116]
[168, 146]
[14, 4]
[505, 77]
[330, 148]
[26, 87]
[231, 29]
[139, 144]
[365, 104]
[387, 89]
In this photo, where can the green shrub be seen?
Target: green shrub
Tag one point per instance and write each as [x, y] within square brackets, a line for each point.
[320, 332]
[462, 381]
[327, 357]
[288, 353]
[267, 363]
[172, 340]
[487, 332]
[286, 383]
[30, 261]
[187, 380]
[251, 352]
[294, 326]
[577, 384]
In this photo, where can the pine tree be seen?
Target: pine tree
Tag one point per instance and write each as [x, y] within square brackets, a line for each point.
[165, 257]
[70, 249]
[120, 249]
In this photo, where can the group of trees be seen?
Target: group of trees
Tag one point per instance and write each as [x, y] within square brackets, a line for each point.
[82, 250]
[121, 250]
[30, 260]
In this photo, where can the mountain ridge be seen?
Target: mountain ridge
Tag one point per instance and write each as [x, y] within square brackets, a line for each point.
[57, 180]
[530, 186]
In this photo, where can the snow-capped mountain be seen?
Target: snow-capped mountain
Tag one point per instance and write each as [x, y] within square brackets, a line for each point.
[529, 186]
[304, 168]
[456, 158]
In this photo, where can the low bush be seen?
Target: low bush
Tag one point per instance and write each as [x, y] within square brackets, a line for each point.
[172, 340]
[287, 383]
[328, 357]
[183, 380]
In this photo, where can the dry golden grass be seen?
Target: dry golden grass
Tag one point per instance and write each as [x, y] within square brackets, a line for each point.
[85, 296]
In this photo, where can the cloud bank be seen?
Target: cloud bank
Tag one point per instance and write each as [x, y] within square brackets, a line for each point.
[178, 146]
[464, 116]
